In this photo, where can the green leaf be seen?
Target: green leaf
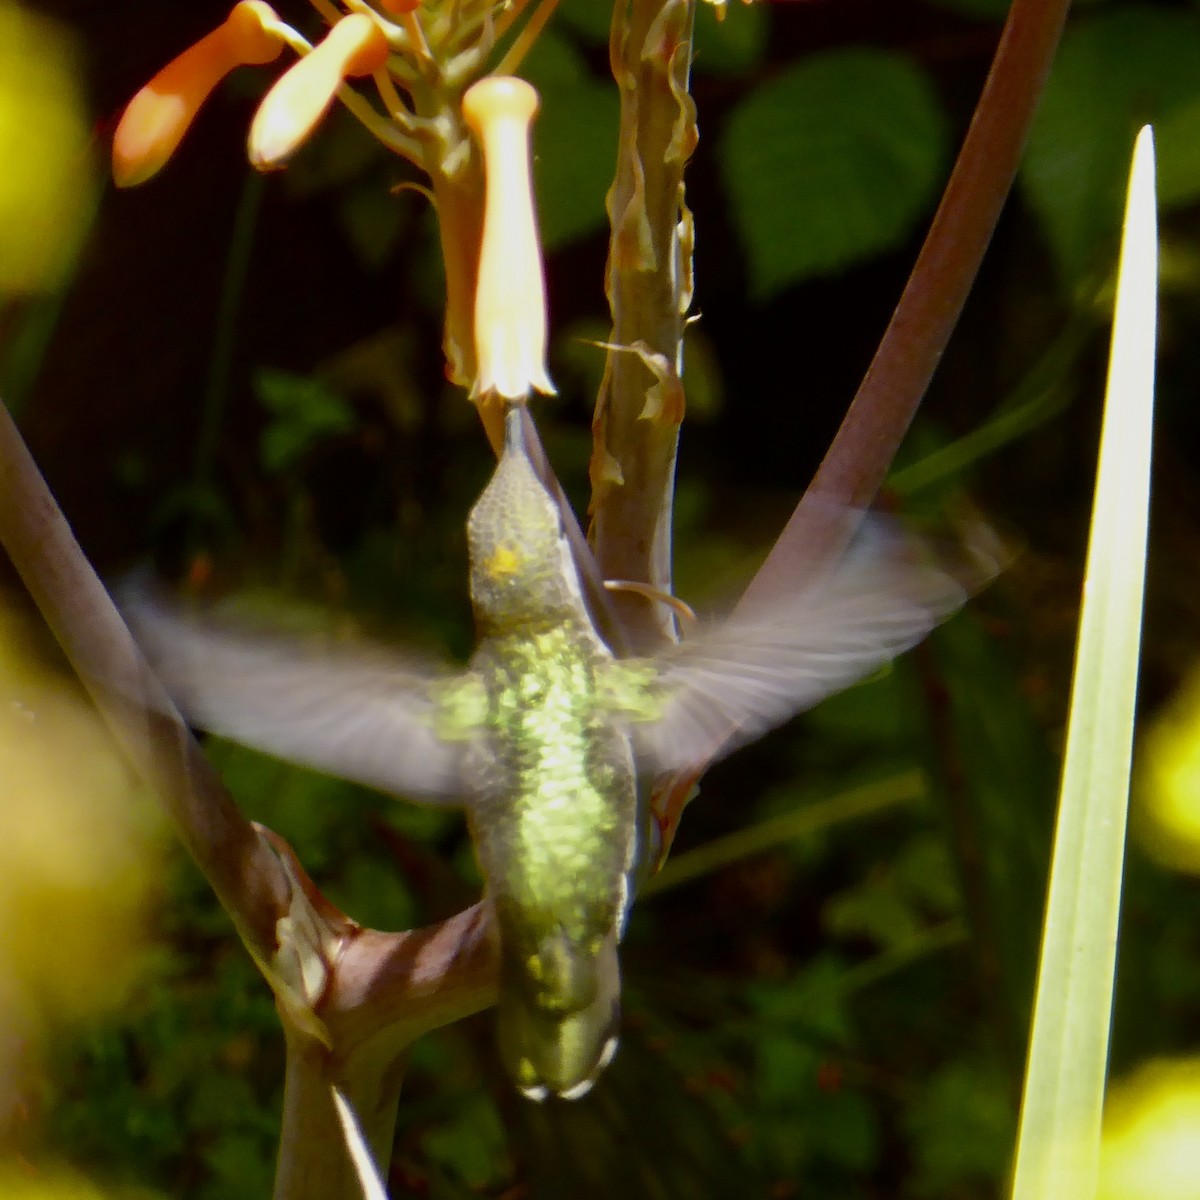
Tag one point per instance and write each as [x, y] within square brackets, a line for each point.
[874, 712]
[811, 1002]
[732, 46]
[925, 872]
[471, 1145]
[305, 411]
[587, 18]
[992, 800]
[875, 910]
[961, 1128]
[1115, 71]
[845, 1130]
[374, 893]
[786, 1066]
[831, 162]
[1058, 1145]
[238, 1165]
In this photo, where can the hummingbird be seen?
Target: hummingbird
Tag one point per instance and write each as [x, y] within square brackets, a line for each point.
[543, 735]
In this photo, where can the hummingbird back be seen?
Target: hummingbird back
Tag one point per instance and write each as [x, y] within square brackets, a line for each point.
[553, 807]
[553, 819]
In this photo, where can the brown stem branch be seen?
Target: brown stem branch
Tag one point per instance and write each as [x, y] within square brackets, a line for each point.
[142, 720]
[385, 990]
[314, 1163]
[376, 991]
[920, 328]
[857, 461]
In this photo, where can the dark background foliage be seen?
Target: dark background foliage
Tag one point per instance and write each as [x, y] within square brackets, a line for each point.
[244, 383]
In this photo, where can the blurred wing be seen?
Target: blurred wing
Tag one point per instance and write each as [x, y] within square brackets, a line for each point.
[730, 685]
[356, 713]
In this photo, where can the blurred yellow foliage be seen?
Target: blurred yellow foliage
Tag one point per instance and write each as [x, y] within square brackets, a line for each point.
[1166, 817]
[47, 175]
[1151, 1146]
[79, 845]
[30, 1183]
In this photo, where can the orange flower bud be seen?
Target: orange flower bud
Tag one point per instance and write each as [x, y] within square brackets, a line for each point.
[159, 115]
[510, 294]
[302, 95]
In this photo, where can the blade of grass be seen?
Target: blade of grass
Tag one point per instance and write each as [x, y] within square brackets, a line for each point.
[1039, 398]
[1059, 1137]
[233, 287]
[905, 788]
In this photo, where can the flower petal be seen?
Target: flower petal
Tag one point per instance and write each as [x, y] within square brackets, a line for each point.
[302, 95]
[159, 115]
[510, 294]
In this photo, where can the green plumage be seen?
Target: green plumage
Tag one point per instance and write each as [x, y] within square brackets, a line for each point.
[552, 780]
[537, 738]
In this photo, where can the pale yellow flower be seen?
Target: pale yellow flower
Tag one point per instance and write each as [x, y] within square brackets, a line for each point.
[510, 292]
[47, 181]
[1151, 1134]
[302, 95]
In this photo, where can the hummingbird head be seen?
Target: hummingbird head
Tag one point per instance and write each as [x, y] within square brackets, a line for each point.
[521, 567]
[558, 1019]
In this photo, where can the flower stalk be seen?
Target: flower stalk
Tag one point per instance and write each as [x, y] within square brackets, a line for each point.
[635, 429]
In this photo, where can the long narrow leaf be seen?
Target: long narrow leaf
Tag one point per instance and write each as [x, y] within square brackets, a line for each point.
[1059, 1139]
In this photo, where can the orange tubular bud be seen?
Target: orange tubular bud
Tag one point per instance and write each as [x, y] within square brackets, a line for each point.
[302, 95]
[159, 115]
[510, 294]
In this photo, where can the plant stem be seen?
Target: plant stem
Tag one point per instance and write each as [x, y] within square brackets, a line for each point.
[928, 309]
[233, 284]
[806, 820]
[144, 723]
[636, 425]
[314, 1163]
[375, 991]
[912, 345]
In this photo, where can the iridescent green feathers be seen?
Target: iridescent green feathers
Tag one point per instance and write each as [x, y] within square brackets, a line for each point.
[538, 737]
[372, 715]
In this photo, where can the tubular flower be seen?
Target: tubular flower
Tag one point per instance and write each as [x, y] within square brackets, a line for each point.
[421, 56]
[290, 111]
[510, 292]
[159, 115]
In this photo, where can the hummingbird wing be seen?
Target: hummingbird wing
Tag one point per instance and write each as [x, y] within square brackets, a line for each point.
[359, 713]
[729, 685]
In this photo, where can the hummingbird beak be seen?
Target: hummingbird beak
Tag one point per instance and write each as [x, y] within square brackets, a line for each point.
[561, 1053]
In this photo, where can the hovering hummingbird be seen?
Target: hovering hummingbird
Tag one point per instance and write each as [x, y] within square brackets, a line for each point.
[542, 735]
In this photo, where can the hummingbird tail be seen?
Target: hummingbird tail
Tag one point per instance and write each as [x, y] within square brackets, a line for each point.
[549, 1051]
